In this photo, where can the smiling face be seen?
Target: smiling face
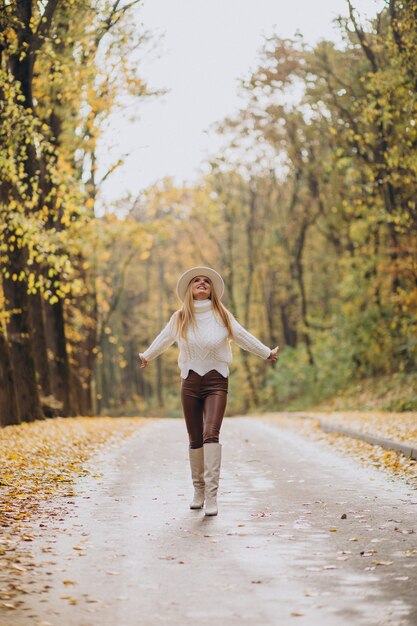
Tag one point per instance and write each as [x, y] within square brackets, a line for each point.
[201, 288]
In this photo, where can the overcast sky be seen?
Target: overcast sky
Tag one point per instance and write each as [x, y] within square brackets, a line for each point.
[207, 46]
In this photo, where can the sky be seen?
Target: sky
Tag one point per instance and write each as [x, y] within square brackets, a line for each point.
[206, 47]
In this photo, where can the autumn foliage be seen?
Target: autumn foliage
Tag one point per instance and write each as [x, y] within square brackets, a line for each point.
[54, 98]
[309, 212]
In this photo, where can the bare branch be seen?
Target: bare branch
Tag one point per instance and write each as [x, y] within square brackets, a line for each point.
[115, 15]
[112, 169]
[362, 39]
[44, 24]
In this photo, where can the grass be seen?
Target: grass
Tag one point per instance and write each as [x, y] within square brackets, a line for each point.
[397, 392]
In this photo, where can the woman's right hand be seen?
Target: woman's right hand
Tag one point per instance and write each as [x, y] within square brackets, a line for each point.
[274, 355]
[144, 362]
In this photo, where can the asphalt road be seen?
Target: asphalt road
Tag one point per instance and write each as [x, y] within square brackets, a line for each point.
[303, 536]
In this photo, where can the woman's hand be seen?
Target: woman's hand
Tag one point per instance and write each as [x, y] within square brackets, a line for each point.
[144, 362]
[274, 355]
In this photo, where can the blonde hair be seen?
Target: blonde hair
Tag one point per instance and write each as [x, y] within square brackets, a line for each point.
[186, 316]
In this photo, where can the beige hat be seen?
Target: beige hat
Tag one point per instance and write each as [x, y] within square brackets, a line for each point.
[185, 279]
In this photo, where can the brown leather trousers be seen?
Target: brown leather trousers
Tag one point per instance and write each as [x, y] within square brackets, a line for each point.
[204, 401]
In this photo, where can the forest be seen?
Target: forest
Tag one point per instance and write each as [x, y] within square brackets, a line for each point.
[309, 212]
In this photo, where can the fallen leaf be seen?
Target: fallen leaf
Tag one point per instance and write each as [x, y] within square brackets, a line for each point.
[167, 558]
[368, 552]
[18, 568]
[409, 552]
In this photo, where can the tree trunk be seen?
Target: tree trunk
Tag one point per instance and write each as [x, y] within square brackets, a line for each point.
[19, 329]
[159, 370]
[289, 331]
[250, 253]
[90, 355]
[22, 65]
[76, 393]
[39, 343]
[228, 258]
[8, 404]
[303, 298]
[20, 339]
[57, 345]
[270, 304]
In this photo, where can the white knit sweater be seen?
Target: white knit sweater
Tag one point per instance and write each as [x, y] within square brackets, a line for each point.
[207, 346]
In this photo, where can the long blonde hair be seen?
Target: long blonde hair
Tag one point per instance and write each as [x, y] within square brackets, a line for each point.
[186, 314]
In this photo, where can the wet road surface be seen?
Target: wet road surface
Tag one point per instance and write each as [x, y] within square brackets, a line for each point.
[303, 536]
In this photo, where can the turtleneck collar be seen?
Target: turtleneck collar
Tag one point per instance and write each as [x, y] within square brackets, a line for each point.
[201, 306]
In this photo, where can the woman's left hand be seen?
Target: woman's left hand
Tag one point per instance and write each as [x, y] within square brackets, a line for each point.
[274, 355]
[144, 362]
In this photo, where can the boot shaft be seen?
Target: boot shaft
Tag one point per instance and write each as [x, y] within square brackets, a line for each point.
[197, 474]
[212, 463]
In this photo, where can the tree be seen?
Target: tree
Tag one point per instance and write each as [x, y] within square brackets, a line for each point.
[48, 139]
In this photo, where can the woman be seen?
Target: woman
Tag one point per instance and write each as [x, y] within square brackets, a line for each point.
[203, 329]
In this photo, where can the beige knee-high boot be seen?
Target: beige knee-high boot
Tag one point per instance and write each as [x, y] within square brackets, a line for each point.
[197, 475]
[212, 462]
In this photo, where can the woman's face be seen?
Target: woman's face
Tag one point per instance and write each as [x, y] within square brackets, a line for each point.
[201, 288]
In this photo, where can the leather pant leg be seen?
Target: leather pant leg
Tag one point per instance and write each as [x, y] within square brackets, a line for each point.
[193, 413]
[214, 408]
[204, 401]
[193, 409]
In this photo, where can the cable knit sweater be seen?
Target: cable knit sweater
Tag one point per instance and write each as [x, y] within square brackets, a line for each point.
[207, 346]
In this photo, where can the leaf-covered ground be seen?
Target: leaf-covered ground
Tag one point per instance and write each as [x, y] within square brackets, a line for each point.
[395, 426]
[40, 461]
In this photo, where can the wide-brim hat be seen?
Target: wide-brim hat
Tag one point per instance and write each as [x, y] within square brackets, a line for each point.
[185, 279]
